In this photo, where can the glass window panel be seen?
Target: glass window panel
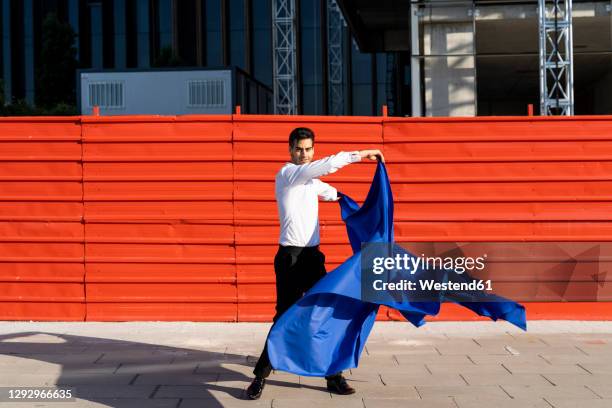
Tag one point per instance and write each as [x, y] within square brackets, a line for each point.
[237, 33]
[262, 41]
[214, 52]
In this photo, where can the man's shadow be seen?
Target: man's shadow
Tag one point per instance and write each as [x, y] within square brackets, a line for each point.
[113, 372]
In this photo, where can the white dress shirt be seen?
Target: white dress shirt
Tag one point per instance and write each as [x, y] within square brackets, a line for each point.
[297, 190]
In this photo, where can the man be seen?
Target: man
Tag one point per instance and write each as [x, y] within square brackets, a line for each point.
[299, 263]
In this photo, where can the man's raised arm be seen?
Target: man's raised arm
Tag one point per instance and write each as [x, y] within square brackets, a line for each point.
[300, 174]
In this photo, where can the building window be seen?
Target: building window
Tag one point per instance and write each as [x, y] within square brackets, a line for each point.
[214, 36]
[237, 34]
[381, 82]
[311, 57]
[262, 41]
[361, 74]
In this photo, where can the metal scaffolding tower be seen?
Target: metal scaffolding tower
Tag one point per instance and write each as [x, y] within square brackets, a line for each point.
[556, 57]
[284, 56]
[335, 28]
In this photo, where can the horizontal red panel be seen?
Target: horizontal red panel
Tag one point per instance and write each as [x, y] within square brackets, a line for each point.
[197, 312]
[40, 151]
[174, 171]
[340, 130]
[496, 129]
[161, 292]
[257, 235]
[504, 192]
[34, 171]
[555, 291]
[383, 313]
[89, 119]
[41, 190]
[41, 231]
[66, 129]
[255, 254]
[42, 311]
[496, 172]
[502, 231]
[42, 251]
[498, 151]
[42, 272]
[259, 273]
[569, 311]
[37, 211]
[256, 292]
[185, 253]
[255, 312]
[41, 292]
[161, 151]
[164, 210]
[158, 191]
[488, 211]
[166, 131]
[169, 273]
[166, 233]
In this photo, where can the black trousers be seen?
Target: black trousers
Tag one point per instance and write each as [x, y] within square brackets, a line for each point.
[297, 269]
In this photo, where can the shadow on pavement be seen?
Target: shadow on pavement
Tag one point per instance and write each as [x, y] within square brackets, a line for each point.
[120, 373]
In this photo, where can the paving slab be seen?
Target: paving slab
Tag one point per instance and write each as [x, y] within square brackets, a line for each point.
[581, 379]
[505, 379]
[170, 379]
[466, 368]
[433, 391]
[225, 403]
[580, 403]
[319, 403]
[446, 379]
[476, 401]
[542, 367]
[604, 390]
[117, 391]
[548, 391]
[411, 403]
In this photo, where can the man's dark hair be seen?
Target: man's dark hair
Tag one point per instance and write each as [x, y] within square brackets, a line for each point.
[300, 133]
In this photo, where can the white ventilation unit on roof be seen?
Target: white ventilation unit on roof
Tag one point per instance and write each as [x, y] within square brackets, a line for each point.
[208, 93]
[108, 94]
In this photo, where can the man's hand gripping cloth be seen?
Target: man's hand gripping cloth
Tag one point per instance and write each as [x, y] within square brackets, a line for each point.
[325, 331]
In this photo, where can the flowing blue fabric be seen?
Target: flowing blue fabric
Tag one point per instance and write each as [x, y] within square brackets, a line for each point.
[325, 331]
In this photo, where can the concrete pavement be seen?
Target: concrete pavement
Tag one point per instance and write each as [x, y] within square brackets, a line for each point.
[184, 364]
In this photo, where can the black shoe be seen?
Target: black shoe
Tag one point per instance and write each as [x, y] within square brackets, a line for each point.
[256, 388]
[338, 385]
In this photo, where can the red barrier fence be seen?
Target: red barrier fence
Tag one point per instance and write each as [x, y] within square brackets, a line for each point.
[173, 218]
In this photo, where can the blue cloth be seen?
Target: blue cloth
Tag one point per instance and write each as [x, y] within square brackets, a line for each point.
[325, 331]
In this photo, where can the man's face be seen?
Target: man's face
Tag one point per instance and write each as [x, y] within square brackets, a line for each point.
[302, 151]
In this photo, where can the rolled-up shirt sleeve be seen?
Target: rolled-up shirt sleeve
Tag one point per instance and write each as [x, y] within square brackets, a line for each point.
[300, 174]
